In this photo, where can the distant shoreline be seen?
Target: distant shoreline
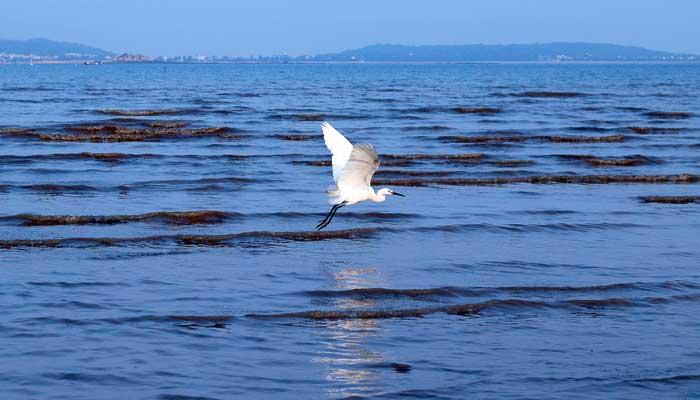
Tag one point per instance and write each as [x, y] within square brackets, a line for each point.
[90, 62]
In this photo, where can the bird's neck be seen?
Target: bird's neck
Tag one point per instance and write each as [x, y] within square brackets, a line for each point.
[377, 198]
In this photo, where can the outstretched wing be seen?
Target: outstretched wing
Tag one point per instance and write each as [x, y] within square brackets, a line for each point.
[359, 169]
[339, 147]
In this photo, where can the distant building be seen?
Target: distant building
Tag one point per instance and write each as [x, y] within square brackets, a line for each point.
[125, 57]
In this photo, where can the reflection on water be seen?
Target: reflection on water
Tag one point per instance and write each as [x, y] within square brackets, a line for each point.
[345, 351]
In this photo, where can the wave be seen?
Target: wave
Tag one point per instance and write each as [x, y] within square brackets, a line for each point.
[185, 217]
[191, 240]
[477, 110]
[463, 156]
[315, 117]
[668, 114]
[455, 110]
[50, 188]
[9, 131]
[166, 124]
[116, 157]
[627, 161]
[670, 199]
[383, 292]
[509, 305]
[511, 163]
[169, 217]
[426, 128]
[546, 94]
[668, 379]
[489, 139]
[396, 172]
[648, 130]
[545, 179]
[29, 89]
[298, 236]
[106, 379]
[206, 184]
[630, 108]
[380, 100]
[512, 305]
[297, 138]
[240, 94]
[453, 291]
[124, 134]
[73, 285]
[149, 112]
[525, 228]
[124, 128]
[589, 129]
[460, 309]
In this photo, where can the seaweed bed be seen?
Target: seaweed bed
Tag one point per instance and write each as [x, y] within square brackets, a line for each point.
[191, 240]
[487, 139]
[628, 161]
[545, 179]
[671, 199]
[668, 114]
[128, 131]
[170, 217]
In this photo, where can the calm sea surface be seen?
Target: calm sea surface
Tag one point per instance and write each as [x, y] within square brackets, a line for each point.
[157, 232]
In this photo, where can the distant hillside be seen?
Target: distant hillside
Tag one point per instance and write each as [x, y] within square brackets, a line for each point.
[49, 49]
[512, 52]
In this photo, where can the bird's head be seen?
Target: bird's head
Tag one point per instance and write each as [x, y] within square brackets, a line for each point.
[388, 192]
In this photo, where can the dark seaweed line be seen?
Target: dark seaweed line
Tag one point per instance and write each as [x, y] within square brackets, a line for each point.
[302, 236]
[477, 308]
[179, 217]
[125, 134]
[170, 217]
[467, 309]
[537, 138]
[453, 291]
[117, 157]
[189, 240]
[150, 185]
[546, 179]
[670, 199]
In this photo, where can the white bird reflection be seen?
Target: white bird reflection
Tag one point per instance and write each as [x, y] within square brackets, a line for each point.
[345, 341]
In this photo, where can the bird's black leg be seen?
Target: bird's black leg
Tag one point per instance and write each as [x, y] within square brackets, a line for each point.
[333, 209]
[330, 216]
[327, 216]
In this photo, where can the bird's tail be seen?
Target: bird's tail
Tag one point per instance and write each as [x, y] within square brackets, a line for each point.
[333, 195]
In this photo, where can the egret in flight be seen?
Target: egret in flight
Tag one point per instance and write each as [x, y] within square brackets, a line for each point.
[353, 167]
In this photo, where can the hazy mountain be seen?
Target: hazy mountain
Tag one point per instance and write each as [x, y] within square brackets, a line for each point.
[46, 48]
[512, 52]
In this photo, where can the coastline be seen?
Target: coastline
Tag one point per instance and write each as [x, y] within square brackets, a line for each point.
[582, 62]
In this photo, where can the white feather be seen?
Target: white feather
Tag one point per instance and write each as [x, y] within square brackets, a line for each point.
[339, 146]
[357, 175]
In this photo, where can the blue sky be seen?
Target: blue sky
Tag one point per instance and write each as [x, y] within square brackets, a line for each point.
[228, 27]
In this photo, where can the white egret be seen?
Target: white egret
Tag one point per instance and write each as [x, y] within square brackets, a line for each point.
[353, 167]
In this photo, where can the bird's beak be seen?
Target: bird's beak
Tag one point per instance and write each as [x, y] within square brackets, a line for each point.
[398, 194]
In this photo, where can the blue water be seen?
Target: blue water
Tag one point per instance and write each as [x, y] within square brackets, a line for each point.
[484, 282]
